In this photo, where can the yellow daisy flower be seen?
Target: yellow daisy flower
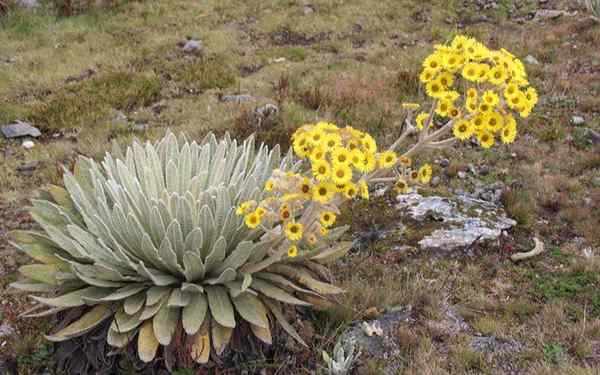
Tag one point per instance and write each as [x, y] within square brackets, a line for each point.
[367, 164]
[420, 120]
[425, 173]
[364, 189]
[252, 220]
[327, 218]
[387, 159]
[323, 192]
[491, 98]
[486, 139]
[508, 134]
[269, 185]
[435, 89]
[471, 72]
[341, 173]
[292, 251]
[340, 155]
[350, 191]
[321, 170]
[462, 130]
[401, 187]
[293, 231]
[405, 161]
[497, 75]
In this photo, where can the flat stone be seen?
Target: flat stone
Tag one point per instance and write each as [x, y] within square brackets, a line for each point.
[384, 346]
[193, 46]
[458, 221]
[264, 117]
[6, 330]
[28, 168]
[236, 98]
[20, 129]
[494, 344]
[592, 135]
[531, 60]
[28, 145]
[577, 120]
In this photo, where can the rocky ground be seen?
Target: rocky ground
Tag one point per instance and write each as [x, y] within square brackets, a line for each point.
[430, 277]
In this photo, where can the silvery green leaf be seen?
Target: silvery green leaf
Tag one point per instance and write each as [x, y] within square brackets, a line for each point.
[217, 254]
[194, 313]
[220, 306]
[164, 323]
[227, 275]
[193, 266]
[156, 293]
[124, 322]
[251, 309]
[179, 298]
[134, 303]
[276, 293]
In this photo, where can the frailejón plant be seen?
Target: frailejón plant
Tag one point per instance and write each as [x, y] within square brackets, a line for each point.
[150, 240]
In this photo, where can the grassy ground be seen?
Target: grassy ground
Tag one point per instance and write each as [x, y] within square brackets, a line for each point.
[352, 62]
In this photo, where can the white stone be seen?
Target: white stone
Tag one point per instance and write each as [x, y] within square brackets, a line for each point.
[28, 145]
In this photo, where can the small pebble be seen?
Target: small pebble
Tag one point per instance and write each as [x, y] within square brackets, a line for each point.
[577, 120]
[28, 145]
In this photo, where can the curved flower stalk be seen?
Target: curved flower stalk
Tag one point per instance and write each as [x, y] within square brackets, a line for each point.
[475, 90]
[150, 240]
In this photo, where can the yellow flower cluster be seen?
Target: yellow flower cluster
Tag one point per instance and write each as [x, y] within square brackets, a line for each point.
[338, 161]
[337, 156]
[494, 84]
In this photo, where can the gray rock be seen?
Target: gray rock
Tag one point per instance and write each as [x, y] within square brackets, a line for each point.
[308, 9]
[28, 145]
[236, 98]
[264, 117]
[435, 181]
[459, 221]
[28, 168]
[20, 129]
[193, 46]
[577, 120]
[495, 345]
[595, 181]
[531, 60]
[6, 330]
[592, 135]
[28, 4]
[484, 170]
[382, 347]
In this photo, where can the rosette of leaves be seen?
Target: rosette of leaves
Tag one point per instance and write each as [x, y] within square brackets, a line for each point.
[150, 240]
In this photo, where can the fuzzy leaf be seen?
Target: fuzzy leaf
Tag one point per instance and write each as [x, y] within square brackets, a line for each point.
[72, 299]
[200, 351]
[87, 322]
[45, 273]
[276, 293]
[220, 337]
[262, 333]
[133, 304]
[251, 309]
[164, 323]
[304, 277]
[147, 342]
[276, 311]
[194, 313]
[220, 306]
